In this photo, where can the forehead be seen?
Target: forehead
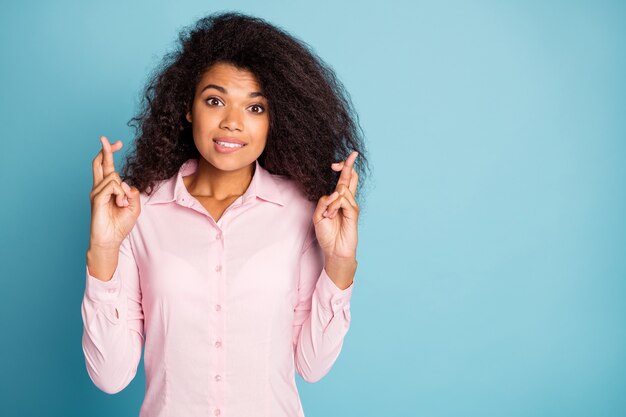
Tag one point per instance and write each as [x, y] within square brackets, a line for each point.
[230, 77]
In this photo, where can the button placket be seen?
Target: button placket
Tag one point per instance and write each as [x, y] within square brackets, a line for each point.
[218, 290]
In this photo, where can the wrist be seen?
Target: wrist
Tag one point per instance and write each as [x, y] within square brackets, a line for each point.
[341, 270]
[98, 254]
[102, 264]
[341, 261]
[103, 248]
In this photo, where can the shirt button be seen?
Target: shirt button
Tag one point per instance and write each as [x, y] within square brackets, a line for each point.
[218, 236]
[217, 412]
[338, 302]
[218, 378]
[218, 307]
[218, 268]
[218, 344]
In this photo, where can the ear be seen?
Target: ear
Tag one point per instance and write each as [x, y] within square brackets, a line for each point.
[188, 117]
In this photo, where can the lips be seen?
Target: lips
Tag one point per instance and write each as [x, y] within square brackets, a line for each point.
[230, 140]
[223, 148]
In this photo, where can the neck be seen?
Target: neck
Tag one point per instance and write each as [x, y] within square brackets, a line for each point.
[214, 183]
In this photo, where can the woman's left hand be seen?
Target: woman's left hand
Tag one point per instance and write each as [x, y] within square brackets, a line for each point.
[336, 215]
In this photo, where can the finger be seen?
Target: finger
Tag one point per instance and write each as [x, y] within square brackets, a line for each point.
[347, 208]
[133, 196]
[128, 194]
[111, 188]
[320, 211]
[112, 176]
[108, 164]
[96, 164]
[352, 199]
[354, 180]
[344, 177]
[344, 192]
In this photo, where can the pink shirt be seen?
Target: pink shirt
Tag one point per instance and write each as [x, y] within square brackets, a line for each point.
[228, 311]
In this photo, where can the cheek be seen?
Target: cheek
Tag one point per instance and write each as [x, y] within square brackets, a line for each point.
[261, 126]
[203, 123]
[197, 132]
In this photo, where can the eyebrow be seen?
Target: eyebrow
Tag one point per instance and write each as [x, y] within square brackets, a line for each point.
[223, 90]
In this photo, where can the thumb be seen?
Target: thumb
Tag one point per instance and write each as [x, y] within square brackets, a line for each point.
[319, 213]
[132, 195]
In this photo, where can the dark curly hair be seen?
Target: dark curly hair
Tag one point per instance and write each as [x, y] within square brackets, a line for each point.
[312, 122]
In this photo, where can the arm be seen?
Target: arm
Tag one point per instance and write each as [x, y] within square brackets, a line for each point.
[113, 332]
[322, 315]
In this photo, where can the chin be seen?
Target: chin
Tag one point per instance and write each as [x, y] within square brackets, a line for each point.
[225, 162]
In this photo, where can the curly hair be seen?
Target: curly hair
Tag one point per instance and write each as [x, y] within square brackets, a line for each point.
[312, 120]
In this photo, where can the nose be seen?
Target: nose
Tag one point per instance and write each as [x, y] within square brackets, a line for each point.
[232, 120]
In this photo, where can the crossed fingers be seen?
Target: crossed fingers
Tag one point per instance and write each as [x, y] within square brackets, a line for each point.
[346, 185]
[103, 163]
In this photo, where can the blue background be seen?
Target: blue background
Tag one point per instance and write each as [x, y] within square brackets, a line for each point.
[492, 246]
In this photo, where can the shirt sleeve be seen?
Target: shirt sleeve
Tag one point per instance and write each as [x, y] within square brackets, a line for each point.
[322, 314]
[113, 333]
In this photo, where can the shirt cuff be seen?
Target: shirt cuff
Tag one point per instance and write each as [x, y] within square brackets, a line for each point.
[330, 296]
[102, 291]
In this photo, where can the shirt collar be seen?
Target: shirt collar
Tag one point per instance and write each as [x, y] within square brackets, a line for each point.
[263, 185]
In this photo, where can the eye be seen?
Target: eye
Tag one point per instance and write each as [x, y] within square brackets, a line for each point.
[262, 109]
[209, 102]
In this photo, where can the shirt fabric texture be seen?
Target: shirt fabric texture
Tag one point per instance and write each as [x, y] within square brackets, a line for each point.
[225, 311]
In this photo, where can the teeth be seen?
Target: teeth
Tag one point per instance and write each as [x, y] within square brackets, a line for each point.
[228, 145]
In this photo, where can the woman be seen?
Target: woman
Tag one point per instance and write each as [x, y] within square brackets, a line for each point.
[229, 250]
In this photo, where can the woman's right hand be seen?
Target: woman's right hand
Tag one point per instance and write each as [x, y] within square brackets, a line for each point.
[115, 206]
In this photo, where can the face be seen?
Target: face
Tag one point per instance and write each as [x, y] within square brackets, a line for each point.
[229, 105]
